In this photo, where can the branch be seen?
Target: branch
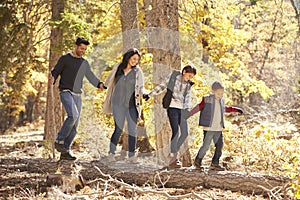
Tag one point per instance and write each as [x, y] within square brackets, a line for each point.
[145, 191]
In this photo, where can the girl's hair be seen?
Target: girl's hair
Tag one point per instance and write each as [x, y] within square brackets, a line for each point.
[126, 56]
[189, 69]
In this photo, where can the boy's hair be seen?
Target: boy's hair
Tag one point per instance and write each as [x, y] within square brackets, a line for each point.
[82, 40]
[217, 85]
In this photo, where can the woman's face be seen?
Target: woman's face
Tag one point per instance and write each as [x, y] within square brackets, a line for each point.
[188, 76]
[134, 60]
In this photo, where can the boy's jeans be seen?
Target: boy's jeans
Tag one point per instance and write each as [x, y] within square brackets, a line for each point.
[131, 115]
[177, 120]
[72, 104]
[217, 137]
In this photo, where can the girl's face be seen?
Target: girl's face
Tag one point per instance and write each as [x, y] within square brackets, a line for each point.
[134, 60]
[218, 93]
[187, 76]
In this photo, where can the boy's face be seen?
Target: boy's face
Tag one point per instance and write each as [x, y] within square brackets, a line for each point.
[218, 93]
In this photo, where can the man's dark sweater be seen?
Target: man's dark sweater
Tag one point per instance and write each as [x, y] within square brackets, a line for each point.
[72, 71]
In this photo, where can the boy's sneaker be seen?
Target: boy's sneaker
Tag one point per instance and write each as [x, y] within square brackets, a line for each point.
[59, 146]
[132, 159]
[217, 167]
[67, 156]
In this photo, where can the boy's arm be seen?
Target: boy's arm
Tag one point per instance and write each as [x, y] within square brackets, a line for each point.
[233, 109]
[197, 108]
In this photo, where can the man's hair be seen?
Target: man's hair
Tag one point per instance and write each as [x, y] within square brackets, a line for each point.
[217, 85]
[82, 40]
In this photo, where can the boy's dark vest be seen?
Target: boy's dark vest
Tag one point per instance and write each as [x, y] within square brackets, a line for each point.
[207, 114]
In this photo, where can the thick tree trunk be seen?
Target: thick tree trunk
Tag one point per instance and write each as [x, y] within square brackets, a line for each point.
[131, 38]
[54, 116]
[129, 20]
[139, 174]
[163, 40]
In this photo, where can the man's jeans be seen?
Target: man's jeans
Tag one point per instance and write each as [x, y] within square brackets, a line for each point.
[131, 115]
[217, 137]
[177, 120]
[72, 104]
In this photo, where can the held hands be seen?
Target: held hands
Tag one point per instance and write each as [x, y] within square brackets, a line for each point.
[102, 86]
[146, 97]
[240, 111]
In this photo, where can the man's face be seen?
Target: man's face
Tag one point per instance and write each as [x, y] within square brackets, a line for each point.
[80, 50]
[218, 93]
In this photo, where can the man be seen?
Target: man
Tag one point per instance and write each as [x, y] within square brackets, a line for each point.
[72, 68]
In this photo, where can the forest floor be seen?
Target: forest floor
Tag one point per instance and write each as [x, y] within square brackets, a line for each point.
[26, 143]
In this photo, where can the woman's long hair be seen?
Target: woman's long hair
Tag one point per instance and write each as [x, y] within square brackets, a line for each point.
[131, 52]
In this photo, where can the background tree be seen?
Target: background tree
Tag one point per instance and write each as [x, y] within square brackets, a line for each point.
[24, 34]
[129, 21]
[164, 44]
[54, 114]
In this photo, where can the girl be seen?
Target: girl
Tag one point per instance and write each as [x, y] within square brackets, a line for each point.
[178, 106]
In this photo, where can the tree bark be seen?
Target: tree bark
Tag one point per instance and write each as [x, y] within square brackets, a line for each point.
[139, 174]
[54, 116]
[163, 40]
[129, 20]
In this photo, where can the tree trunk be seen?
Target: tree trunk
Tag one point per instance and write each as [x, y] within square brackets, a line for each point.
[129, 20]
[163, 40]
[54, 117]
[131, 38]
[138, 174]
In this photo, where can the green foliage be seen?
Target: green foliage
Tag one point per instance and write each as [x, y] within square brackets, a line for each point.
[23, 36]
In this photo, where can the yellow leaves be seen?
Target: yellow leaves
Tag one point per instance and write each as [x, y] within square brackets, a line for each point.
[257, 132]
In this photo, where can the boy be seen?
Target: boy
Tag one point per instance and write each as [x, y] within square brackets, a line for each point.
[212, 119]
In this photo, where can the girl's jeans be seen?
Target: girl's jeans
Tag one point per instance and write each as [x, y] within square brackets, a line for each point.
[131, 115]
[217, 137]
[177, 120]
[72, 104]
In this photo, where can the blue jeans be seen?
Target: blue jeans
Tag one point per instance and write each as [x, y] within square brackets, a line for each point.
[177, 120]
[131, 115]
[217, 137]
[72, 104]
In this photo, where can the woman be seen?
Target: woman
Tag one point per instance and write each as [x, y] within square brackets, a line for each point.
[178, 106]
[125, 87]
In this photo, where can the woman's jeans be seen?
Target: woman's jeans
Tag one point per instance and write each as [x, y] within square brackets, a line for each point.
[177, 120]
[131, 115]
[217, 137]
[72, 104]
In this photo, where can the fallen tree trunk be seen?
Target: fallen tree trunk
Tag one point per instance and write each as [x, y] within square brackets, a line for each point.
[141, 174]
